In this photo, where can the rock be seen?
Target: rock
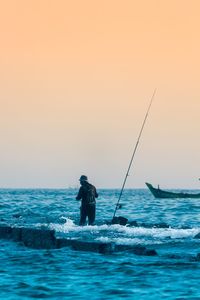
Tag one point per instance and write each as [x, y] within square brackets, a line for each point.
[161, 225]
[61, 243]
[197, 236]
[139, 250]
[45, 239]
[198, 257]
[186, 227]
[136, 249]
[17, 234]
[174, 256]
[5, 232]
[120, 248]
[150, 252]
[38, 238]
[78, 245]
[120, 220]
[104, 248]
[133, 223]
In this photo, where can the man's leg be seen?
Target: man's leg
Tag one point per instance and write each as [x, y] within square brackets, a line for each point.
[83, 215]
[91, 214]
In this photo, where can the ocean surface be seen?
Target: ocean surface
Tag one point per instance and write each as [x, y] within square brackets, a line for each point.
[68, 274]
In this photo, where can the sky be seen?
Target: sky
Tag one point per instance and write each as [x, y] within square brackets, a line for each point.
[76, 79]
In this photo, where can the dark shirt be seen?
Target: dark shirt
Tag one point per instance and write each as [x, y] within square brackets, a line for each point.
[87, 193]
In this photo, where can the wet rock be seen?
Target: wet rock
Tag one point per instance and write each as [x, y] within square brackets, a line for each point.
[198, 257]
[138, 250]
[159, 225]
[120, 220]
[194, 258]
[197, 236]
[61, 221]
[5, 232]
[45, 239]
[150, 252]
[120, 248]
[92, 246]
[17, 234]
[61, 243]
[186, 227]
[79, 245]
[106, 248]
[145, 225]
[133, 223]
[38, 238]
[174, 256]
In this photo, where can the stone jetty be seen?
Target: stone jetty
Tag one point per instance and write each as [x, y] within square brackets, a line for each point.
[46, 239]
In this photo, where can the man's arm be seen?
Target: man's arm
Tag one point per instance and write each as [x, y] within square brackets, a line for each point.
[79, 196]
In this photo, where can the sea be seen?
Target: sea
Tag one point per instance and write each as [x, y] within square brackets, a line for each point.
[168, 226]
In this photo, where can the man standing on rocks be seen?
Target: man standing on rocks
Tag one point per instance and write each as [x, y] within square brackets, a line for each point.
[87, 194]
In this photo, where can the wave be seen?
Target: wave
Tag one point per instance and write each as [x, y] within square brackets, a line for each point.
[124, 234]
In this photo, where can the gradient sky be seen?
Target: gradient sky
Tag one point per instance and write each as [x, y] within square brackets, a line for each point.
[76, 78]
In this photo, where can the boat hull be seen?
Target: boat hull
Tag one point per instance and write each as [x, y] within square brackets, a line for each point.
[158, 193]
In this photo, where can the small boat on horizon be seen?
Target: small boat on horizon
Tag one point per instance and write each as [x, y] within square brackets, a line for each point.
[158, 193]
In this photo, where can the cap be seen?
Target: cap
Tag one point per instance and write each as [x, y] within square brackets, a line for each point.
[83, 178]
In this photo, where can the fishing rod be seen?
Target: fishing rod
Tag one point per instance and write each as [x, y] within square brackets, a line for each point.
[132, 157]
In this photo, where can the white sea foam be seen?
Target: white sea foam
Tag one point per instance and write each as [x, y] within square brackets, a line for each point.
[123, 241]
[65, 228]
[126, 232]
[158, 233]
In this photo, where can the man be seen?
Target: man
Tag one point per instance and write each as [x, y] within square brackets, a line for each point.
[87, 194]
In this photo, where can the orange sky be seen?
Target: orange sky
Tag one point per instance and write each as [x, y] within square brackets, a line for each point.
[76, 79]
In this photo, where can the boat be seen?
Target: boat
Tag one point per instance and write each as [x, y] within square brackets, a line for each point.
[158, 193]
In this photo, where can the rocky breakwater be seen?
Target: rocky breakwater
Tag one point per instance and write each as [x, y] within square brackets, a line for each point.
[46, 239]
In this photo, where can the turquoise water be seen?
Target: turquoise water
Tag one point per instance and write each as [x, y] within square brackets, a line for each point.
[68, 274]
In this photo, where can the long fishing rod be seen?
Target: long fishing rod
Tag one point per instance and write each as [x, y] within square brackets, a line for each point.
[132, 157]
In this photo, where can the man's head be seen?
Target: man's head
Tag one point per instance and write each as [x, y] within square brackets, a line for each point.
[83, 179]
